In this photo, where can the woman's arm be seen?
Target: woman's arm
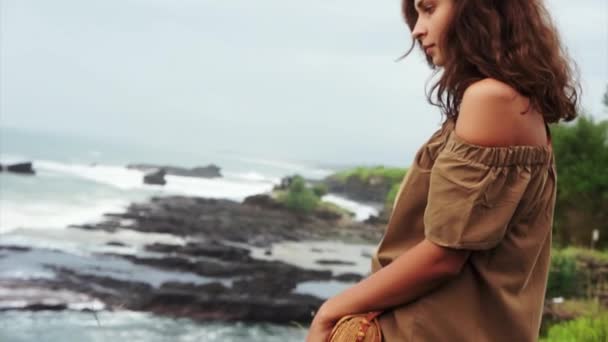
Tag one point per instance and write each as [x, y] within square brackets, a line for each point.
[412, 274]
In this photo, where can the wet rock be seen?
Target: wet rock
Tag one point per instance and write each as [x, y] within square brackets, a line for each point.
[155, 177]
[209, 171]
[44, 307]
[214, 249]
[263, 201]
[265, 297]
[22, 168]
[15, 248]
[333, 262]
[217, 233]
[116, 243]
[349, 277]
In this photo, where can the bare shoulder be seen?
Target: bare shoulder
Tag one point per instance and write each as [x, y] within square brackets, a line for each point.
[488, 113]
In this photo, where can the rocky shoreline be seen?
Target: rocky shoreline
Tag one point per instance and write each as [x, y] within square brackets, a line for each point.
[218, 239]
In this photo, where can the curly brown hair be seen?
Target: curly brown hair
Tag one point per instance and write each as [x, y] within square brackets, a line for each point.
[513, 41]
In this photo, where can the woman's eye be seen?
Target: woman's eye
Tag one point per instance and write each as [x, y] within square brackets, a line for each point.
[427, 9]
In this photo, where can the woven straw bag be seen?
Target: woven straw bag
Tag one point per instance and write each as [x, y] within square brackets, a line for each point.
[357, 328]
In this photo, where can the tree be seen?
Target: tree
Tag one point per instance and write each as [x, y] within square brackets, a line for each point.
[581, 154]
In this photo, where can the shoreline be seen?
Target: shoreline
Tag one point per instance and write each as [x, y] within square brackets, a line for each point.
[223, 240]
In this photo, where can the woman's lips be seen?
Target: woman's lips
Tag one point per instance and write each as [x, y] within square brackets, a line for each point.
[428, 49]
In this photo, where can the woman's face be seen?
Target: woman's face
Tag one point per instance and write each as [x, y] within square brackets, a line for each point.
[433, 18]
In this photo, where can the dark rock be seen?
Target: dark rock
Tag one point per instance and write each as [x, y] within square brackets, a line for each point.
[214, 288]
[264, 201]
[326, 214]
[267, 285]
[214, 229]
[285, 182]
[15, 248]
[155, 177]
[116, 243]
[231, 307]
[349, 277]
[209, 171]
[44, 307]
[23, 168]
[333, 262]
[264, 296]
[214, 249]
[225, 220]
[382, 217]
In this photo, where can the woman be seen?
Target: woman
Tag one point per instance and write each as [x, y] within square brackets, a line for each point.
[466, 252]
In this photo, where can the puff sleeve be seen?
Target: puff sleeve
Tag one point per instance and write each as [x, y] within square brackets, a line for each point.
[474, 192]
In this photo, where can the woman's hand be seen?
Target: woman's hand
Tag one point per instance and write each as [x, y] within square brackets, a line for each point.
[321, 326]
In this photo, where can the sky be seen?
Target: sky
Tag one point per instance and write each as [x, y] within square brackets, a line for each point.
[312, 80]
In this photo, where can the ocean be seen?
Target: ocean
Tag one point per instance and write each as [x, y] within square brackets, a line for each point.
[78, 180]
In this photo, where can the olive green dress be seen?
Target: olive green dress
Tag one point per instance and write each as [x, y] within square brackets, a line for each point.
[497, 202]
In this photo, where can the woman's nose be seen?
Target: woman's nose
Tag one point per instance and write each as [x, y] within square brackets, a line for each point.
[418, 31]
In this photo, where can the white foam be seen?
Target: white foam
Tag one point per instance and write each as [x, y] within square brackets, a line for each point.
[87, 242]
[22, 296]
[362, 211]
[237, 188]
[253, 176]
[214, 187]
[34, 264]
[116, 176]
[94, 305]
[123, 325]
[54, 214]
[59, 213]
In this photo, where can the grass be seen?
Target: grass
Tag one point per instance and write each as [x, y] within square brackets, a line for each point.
[589, 328]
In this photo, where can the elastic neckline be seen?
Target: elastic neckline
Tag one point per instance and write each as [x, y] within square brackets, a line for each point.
[497, 155]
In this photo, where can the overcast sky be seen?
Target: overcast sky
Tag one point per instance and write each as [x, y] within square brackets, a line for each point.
[311, 80]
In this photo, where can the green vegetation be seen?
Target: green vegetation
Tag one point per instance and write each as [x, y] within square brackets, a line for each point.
[591, 328]
[565, 278]
[320, 190]
[597, 256]
[577, 273]
[390, 197]
[579, 276]
[392, 174]
[299, 197]
[581, 154]
[581, 307]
